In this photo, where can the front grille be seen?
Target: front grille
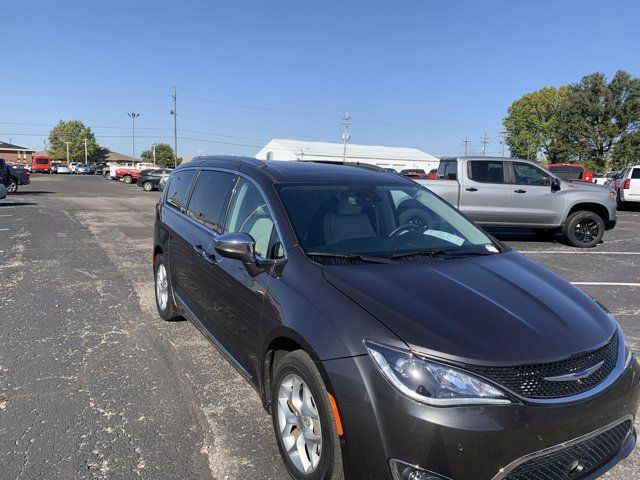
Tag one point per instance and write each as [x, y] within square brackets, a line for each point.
[529, 380]
[575, 461]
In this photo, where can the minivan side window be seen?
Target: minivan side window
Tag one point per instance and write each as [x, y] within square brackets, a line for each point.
[485, 171]
[635, 173]
[249, 213]
[209, 198]
[179, 187]
[525, 174]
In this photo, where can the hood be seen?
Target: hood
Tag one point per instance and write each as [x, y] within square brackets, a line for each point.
[493, 310]
[566, 185]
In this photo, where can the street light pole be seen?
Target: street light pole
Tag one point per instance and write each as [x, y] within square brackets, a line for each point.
[85, 151]
[67, 152]
[154, 153]
[133, 125]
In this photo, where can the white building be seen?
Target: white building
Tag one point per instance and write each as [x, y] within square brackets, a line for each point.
[398, 158]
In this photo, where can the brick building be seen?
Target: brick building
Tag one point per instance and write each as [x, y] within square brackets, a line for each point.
[15, 153]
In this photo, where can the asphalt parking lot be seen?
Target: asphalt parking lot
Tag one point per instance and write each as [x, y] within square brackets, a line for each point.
[94, 385]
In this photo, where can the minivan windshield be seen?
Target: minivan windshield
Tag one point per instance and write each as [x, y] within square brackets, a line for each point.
[379, 221]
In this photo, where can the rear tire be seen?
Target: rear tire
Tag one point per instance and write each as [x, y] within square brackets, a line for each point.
[147, 186]
[164, 293]
[299, 397]
[583, 229]
[127, 179]
[13, 186]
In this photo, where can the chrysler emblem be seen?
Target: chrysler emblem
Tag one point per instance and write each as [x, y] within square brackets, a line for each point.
[575, 376]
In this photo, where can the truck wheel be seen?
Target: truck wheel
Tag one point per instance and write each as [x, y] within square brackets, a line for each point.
[147, 186]
[164, 294]
[127, 179]
[583, 229]
[13, 186]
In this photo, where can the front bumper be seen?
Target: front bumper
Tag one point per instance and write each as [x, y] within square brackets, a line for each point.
[461, 443]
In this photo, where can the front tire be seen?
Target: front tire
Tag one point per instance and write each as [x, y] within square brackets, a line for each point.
[164, 293]
[13, 186]
[303, 420]
[583, 229]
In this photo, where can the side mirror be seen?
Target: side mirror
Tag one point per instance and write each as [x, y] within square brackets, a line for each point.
[239, 246]
[555, 184]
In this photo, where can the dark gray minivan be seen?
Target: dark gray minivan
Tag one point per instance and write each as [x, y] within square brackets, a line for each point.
[387, 335]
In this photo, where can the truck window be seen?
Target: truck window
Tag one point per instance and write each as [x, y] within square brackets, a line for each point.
[448, 169]
[526, 174]
[486, 171]
[209, 198]
[179, 188]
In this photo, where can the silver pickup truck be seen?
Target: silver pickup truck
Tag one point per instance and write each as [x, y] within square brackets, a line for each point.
[518, 193]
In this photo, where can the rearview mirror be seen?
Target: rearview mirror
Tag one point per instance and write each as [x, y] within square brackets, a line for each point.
[239, 246]
[555, 184]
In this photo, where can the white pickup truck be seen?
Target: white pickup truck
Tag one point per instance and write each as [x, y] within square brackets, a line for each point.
[519, 193]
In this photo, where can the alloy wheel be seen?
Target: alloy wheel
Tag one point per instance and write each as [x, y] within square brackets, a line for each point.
[162, 287]
[587, 230]
[299, 424]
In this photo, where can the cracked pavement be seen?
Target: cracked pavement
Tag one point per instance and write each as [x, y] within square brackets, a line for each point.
[94, 385]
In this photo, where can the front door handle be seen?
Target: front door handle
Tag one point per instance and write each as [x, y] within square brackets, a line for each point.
[471, 189]
[520, 191]
[210, 259]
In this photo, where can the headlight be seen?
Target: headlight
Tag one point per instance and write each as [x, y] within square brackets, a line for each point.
[431, 382]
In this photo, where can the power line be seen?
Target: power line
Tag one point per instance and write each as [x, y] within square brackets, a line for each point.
[484, 142]
[466, 143]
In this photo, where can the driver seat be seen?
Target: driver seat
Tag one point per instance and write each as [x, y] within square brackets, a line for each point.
[347, 222]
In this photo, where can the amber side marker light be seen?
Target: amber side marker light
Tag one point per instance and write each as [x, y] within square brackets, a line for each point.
[336, 414]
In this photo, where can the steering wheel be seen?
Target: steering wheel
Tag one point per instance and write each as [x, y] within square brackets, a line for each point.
[406, 227]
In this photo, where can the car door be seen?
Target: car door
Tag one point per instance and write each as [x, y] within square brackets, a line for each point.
[205, 216]
[633, 194]
[233, 310]
[533, 203]
[182, 233]
[485, 194]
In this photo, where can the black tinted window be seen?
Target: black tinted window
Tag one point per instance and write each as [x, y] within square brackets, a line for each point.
[448, 169]
[525, 174]
[179, 187]
[486, 171]
[209, 198]
[635, 173]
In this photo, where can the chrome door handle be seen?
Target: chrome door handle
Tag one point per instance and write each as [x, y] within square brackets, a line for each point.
[520, 191]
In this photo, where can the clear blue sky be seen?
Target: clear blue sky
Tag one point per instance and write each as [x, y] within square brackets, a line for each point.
[419, 73]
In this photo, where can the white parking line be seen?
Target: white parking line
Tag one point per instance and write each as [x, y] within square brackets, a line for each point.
[4, 229]
[580, 252]
[612, 284]
[6, 215]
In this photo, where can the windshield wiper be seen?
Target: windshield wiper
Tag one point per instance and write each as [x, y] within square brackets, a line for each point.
[350, 256]
[442, 252]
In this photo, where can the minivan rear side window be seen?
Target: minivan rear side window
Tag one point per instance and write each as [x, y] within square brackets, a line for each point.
[179, 187]
[486, 171]
[635, 173]
[209, 198]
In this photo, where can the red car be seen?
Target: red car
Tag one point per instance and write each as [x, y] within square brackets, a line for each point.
[413, 173]
[571, 171]
[41, 164]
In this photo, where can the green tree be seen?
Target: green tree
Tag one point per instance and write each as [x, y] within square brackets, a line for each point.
[164, 155]
[597, 115]
[532, 125]
[74, 132]
[627, 150]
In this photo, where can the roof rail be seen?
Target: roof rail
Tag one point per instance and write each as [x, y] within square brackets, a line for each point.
[367, 166]
[232, 158]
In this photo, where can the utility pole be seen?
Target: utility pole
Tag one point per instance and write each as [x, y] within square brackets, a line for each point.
[133, 123]
[484, 145]
[503, 141]
[174, 112]
[67, 152]
[85, 150]
[346, 136]
[153, 147]
[466, 143]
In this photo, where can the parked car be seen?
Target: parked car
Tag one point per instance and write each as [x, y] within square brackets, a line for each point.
[387, 349]
[413, 173]
[63, 169]
[73, 166]
[150, 179]
[629, 186]
[127, 174]
[433, 174]
[571, 171]
[518, 193]
[54, 167]
[41, 164]
[3, 191]
[601, 178]
[162, 183]
[99, 168]
[83, 169]
[16, 176]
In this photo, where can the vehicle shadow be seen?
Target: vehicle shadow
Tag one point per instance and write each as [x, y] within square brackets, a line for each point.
[30, 192]
[527, 235]
[15, 204]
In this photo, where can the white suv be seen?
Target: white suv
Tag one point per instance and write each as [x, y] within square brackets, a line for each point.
[629, 189]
